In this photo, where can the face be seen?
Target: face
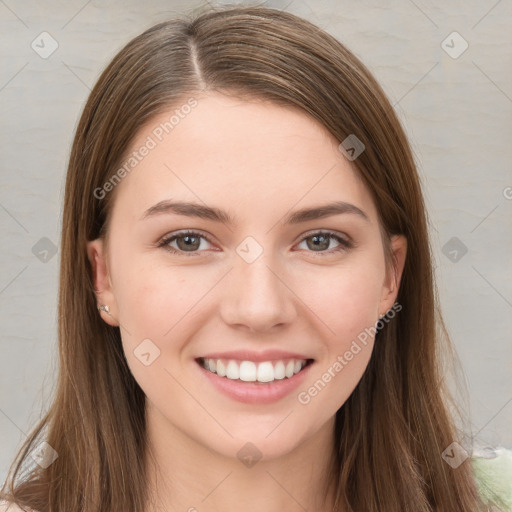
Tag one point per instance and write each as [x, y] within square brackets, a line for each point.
[278, 306]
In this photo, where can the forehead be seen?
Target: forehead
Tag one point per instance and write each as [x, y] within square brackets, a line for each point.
[254, 156]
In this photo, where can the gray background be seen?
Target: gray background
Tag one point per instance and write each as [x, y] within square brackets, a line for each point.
[456, 111]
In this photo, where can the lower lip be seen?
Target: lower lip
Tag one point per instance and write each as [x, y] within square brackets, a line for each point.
[256, 392]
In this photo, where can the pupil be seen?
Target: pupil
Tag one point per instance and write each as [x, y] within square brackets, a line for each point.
[190, 241]
[319, 240]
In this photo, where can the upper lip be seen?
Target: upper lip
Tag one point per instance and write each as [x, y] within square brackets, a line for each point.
[248, 355]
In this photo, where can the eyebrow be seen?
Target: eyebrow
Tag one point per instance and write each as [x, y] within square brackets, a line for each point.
[190, 209]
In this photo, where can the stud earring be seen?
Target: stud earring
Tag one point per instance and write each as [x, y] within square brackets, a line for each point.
[102, 307]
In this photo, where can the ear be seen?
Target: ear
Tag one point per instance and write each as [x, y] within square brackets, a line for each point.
[393, 274]
[102, 284]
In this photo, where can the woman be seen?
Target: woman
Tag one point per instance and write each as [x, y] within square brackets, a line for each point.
[210, 359]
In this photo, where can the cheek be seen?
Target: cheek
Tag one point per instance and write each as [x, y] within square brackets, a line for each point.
[161, 303]
[156, 310]
[348, 307]
[346, 299]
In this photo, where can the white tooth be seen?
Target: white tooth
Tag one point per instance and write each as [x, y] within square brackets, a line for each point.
[221, 369]
[247, 371]
[279, 370]
[232, 370]
[265, 372]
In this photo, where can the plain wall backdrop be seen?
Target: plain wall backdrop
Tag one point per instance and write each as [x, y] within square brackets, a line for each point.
[447, 69]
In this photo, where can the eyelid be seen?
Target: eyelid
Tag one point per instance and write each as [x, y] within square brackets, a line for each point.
[325, 232]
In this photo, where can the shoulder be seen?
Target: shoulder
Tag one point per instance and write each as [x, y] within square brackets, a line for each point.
[493, 474]
[9, 506]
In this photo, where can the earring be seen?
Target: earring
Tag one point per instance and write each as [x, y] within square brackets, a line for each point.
[102, 307]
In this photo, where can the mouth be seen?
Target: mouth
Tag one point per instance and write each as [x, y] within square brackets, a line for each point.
[263, 372]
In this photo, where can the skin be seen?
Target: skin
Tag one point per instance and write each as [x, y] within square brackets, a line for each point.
[258, 161]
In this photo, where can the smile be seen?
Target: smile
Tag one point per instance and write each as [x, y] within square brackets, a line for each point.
[250, 371]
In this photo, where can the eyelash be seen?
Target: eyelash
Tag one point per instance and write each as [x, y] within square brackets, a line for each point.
[344, 243]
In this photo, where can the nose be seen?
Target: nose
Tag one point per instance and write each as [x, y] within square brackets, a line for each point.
[257, 296]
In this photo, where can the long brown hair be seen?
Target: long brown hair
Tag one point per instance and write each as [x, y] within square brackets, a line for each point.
[392, 430]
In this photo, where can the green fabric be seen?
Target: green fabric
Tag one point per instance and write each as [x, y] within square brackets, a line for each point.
[494, 479]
